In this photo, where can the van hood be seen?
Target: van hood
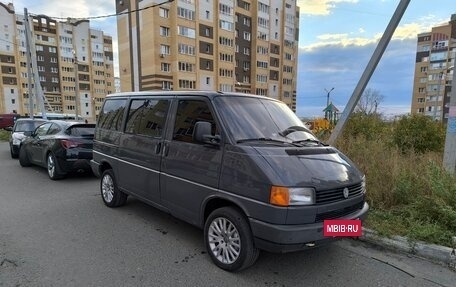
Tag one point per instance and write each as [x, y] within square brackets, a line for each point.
[320, 167]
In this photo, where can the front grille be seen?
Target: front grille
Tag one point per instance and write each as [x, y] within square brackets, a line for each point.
[339, 212]
[333, 195]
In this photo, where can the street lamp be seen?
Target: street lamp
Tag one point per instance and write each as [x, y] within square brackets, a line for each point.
[441, 78]
[327, 98]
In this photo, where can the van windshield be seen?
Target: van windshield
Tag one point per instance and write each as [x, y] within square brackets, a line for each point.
[261, 119]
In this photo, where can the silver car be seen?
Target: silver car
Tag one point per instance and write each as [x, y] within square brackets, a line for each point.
[17, 134]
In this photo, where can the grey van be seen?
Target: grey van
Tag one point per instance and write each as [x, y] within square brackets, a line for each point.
[242, 167]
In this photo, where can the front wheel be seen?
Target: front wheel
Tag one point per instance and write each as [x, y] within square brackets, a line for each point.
[229, 240]
[23, 158]
[13, 154]
[110, 193]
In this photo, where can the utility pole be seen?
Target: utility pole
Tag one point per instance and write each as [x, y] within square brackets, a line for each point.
[29, 61]
[370, 68]
[76, 89]
[449, 154]
[33, 69]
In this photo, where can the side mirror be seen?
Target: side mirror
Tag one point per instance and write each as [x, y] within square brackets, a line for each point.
[202, 134]
[9, 129]
[28, 133]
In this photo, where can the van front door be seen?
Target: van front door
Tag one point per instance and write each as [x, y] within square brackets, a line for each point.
[142, 145]
[190, 170]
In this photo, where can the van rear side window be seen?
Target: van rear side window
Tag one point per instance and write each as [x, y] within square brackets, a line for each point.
[112, 114]
[147, 117]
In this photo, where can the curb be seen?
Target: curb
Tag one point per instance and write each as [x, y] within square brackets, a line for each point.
[441, 254]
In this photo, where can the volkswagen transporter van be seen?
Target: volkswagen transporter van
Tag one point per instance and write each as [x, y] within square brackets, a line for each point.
[242, 167]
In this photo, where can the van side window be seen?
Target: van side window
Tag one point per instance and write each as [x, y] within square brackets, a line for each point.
[188, 113]
[112, 114]
[147, 117]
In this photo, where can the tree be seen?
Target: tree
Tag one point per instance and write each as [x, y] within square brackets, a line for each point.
[369, 102]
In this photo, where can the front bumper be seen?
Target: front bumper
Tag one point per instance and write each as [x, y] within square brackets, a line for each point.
[288, 238]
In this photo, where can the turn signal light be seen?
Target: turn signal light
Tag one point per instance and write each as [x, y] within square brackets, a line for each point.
[279, 196]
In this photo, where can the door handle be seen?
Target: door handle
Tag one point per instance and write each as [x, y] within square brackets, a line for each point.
[165, 150]
[157, 148]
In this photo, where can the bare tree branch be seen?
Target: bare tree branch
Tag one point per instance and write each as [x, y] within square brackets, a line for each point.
[369, 102]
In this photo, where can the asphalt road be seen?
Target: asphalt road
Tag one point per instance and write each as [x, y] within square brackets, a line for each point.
[59, 233]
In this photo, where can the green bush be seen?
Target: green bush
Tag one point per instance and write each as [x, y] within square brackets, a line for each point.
[368, 126]
[4, 135]
[408, 190]
[418, 133]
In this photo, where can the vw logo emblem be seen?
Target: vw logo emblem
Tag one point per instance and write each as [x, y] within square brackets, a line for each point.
[346, 191]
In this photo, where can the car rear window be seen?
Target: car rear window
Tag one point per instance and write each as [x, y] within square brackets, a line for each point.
[81, 130]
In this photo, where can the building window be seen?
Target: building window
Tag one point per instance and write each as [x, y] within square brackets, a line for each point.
[186, 49]
[163, 12]
[225, 9]
[225, 25]
[166, 85]
[186, 32]
[187, 84]
[247, 36]
[164, 49]
[165, 67]
[164, 31]
[186, 67]
[185, 13]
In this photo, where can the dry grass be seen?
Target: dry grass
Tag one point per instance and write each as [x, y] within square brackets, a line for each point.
[410, 194]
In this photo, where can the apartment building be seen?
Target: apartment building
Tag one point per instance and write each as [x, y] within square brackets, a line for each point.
[226, 45]
[67, 53]
[434, 68]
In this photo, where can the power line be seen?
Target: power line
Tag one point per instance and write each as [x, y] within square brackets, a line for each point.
[109, 15]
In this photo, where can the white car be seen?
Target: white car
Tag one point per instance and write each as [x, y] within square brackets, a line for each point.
[17, 134]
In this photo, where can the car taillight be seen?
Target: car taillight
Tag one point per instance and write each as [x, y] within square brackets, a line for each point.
[69, 143]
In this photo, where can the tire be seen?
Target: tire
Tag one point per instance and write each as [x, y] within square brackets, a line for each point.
[13, 154]
[110, 193]
[231, 252]
[23, 158]
[52, 166]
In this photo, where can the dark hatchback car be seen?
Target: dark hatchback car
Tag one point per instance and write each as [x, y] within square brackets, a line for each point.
[60, 146]
[22, 126]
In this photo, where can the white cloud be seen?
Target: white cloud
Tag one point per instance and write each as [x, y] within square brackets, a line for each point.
[361, 30]
[326, 37]
[403, 32]
[320, 7]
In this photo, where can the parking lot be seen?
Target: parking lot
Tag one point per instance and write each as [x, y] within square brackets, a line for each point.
[59, 233]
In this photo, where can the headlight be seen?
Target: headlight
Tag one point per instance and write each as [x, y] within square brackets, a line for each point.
[286, 196]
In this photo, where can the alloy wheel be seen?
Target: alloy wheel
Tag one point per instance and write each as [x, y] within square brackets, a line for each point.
[51, 166]
[107, 188]
[224, 240]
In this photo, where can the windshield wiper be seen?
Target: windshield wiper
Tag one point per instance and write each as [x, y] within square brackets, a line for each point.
[262, 140]
[310, 141]
[292, 129]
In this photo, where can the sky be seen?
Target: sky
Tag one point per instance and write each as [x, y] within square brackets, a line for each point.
[336, 41]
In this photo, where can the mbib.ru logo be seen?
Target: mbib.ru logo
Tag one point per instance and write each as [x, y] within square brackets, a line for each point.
[351, 228]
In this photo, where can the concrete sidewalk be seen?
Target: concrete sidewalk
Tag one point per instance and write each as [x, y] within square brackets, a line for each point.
[439, 254]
